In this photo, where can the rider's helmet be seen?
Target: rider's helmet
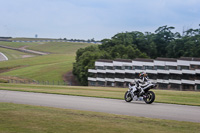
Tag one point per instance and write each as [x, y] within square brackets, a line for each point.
[142, 74]
[132, 83]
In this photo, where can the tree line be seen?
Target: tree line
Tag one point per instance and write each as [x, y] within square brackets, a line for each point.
[130, 45]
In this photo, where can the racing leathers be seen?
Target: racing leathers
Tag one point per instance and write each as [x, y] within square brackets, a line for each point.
[141, 84]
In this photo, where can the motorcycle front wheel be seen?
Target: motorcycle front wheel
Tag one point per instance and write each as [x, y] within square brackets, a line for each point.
[128, 97]
[149, 97]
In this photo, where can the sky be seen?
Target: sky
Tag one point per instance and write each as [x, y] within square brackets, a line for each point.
[98, 19]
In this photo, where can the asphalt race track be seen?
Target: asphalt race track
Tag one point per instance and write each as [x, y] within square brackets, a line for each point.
[136, 108]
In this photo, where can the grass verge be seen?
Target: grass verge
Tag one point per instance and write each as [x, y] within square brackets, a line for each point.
[16, 118]
[41, 68]
[162, 96]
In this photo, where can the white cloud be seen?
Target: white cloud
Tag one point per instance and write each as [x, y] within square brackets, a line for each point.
[88, 18]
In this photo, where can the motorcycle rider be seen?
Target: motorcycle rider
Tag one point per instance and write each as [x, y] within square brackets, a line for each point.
[141, 83]
[143, 79]
[139, 90]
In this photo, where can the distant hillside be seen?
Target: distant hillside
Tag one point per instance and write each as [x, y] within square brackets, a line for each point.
[6, 39]
[51, 67]
[30, 39]
[53, 40]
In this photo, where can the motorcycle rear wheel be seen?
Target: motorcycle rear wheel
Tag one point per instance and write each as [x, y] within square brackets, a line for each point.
[150, 97]
[128, 97]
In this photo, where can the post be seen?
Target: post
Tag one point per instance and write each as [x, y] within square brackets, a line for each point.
[181, 87]
[195, 87]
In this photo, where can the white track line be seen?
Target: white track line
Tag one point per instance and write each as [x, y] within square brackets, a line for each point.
[4, 56]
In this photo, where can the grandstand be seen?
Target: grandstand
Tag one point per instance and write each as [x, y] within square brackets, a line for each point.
[168, 73]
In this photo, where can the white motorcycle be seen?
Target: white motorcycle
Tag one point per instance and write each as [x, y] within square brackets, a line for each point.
[141, 93]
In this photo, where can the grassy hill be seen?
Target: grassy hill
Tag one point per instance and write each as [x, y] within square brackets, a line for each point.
[52, 47]
[69, 48]
[42, 68]
[13, 54]
[17, 44]
[30, 39]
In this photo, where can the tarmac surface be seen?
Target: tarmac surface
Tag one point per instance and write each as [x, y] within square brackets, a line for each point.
[113, 106]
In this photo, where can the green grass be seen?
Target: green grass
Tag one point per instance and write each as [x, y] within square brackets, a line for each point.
[60, 47]
[43, 68]
[13, 54]
[17, 44]
[52, 47]
[30, 39]
[16, 118]
[179, 97]
[162, 96]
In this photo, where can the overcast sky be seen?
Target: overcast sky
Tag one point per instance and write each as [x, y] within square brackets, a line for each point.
[98, 19]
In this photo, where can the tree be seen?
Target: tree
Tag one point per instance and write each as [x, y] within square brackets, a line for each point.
[135, 44]
[85, 60]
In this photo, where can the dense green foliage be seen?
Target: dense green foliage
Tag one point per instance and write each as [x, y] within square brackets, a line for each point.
[85, 58]
[163, 43]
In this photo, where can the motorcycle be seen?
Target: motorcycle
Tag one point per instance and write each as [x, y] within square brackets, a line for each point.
[142, 93]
